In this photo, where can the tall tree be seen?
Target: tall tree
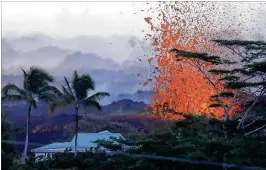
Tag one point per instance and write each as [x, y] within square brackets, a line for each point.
[76, 94]
[252, 55]
[247, 74]
[228, 82]
[35, 88]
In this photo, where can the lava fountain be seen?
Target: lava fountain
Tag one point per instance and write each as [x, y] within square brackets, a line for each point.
[179, 84]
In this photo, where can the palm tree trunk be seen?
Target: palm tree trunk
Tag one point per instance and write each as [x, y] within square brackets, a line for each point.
[76, 130]
[24, 155]
[226, 137]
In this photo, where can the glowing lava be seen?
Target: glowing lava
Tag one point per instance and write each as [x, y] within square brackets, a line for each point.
[179, 84]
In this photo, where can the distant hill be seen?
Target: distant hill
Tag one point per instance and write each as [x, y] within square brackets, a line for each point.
[124, 106]
[30, 42]
[47, 129]
[91, 60]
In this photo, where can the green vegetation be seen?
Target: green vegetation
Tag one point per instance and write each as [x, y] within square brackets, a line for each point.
[199, 138]
[8, 152]
[95, 124]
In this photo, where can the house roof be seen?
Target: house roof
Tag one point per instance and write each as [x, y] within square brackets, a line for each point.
[58, 146]
[85, 140]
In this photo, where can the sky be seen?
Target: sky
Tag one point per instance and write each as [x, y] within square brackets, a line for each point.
[66, 19]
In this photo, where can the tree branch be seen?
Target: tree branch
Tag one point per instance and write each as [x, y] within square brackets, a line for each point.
[248, 110]
[214, 86]
[232, 102]
[166, 123]
[252, 122]
[255, 130]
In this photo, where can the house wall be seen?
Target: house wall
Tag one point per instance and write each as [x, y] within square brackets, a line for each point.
[40, 156]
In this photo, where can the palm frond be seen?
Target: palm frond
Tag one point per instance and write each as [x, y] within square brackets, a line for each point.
[77, 87]
[51, 90]
[37, 79]
[91, 103]
[11, 89]
[40, 73]
[75, 77]
[81, 91]
[67, 95]
[47, 97]
[56, 105]
[88, 82]
[13, 98]
[25, 81]
[82, 85]
[69, 88]
[98, 96]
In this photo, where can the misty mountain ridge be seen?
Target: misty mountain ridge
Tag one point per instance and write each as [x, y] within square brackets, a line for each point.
[59, 58]
[53, 50]
[90, 60]
[104, 46]
[140, 95]
[126, 49]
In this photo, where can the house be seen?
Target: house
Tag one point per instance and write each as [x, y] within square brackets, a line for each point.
[85, 142]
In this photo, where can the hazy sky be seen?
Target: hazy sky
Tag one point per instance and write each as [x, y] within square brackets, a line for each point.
[74, 18]
[68, 19]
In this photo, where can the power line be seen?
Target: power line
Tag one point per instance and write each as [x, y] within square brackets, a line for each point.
[20, 143]
[174, 159]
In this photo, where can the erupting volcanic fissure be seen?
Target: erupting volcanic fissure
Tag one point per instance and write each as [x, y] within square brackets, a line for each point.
[179, 84]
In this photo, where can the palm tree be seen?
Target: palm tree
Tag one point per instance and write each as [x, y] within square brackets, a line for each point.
[77, 94]
[35, 88]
